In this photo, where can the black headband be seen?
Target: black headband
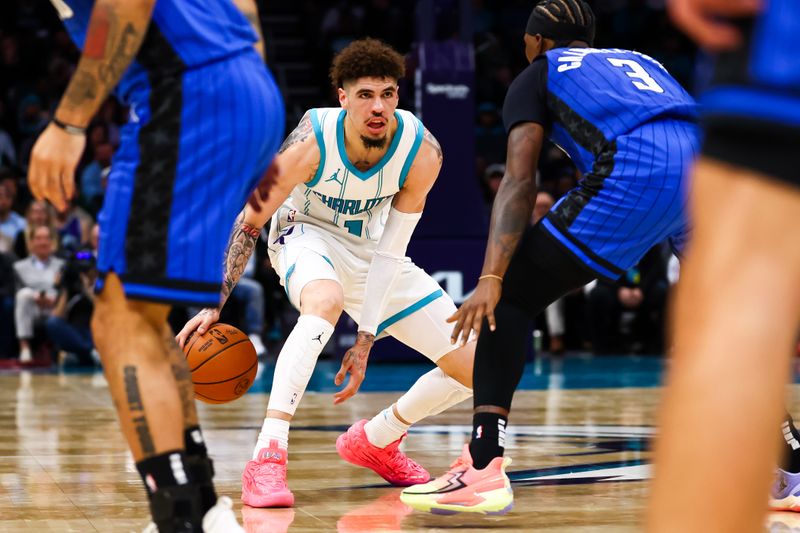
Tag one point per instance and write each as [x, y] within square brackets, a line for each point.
[540, 24]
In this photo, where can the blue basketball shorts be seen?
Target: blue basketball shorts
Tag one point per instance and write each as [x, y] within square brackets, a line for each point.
[194, 148]
[751, 111]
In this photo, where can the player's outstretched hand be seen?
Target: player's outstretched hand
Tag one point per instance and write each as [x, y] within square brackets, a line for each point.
[469, 316]
[261, 192]
[355, 363]
[704, 20]
[200, 323]
[51, 171]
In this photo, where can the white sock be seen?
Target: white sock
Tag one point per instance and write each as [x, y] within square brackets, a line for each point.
[430, 395]
[273, 429]
[385, 428]
[296, 362]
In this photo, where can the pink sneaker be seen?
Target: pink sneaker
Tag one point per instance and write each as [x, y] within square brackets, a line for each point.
[264, 479]
[390, 463]
[463, 489]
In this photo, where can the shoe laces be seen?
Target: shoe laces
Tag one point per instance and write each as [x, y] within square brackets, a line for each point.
[400, 462]
[269, 475]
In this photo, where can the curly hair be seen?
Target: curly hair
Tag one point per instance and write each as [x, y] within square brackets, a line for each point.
[366, 58]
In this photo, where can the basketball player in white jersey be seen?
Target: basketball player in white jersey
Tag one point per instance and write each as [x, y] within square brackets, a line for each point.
[350, 188]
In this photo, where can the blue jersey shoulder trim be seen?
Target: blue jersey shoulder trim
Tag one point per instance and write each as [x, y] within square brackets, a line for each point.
[363, 176]
[321, 144]
[413, 153]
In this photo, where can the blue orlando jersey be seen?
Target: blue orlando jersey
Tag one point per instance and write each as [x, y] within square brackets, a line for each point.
[631, 130]
[585, 98]
[615, 90]
[182, 34]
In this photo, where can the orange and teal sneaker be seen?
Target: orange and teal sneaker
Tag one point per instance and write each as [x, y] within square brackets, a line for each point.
[463, 489]
[390, 463]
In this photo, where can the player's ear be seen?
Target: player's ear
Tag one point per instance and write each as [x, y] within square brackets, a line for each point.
[342, 94]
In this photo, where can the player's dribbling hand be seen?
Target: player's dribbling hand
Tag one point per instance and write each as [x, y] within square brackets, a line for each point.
[469, 316]
[354, 362]
[51, 174]
[200, 323]
[704, 20]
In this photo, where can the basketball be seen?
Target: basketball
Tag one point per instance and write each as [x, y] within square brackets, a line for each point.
[223, 363]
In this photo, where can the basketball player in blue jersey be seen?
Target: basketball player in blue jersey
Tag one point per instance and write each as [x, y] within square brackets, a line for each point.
[351, 186]
[631, 130]
[205, 121]
[738, 304]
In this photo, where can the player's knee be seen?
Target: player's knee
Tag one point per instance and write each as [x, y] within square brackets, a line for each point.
[458, 364]
[324, 299]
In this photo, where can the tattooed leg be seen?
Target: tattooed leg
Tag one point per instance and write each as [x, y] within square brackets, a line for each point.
[129, 336]
[183, 377]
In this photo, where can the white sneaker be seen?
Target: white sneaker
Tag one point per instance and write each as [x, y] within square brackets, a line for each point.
[25, 356]
[255, 338]
[221, 518]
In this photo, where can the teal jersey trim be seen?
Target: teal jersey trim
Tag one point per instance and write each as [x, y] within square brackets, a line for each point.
[321, 144]
[413, 153]
[289, 273]
[325, 257]
[363, 176]
[413, 308]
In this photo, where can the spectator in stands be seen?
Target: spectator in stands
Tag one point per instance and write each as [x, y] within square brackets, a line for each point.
[69, 324]
[490, 136]
[36, 293]
[12, 180]
[492, 177]
[73, 226]
[8, 153]
[7, 290]
[628, 314]
[11, 222]
[39, 213]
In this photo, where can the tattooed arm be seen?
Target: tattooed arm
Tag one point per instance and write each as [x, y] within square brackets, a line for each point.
[250, 10]
[296, 162]
[511, 214]
[115, 33]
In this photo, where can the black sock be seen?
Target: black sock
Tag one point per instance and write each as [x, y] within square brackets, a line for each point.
[488, 438]
[167, 469]
[200, 465]
[791, 446]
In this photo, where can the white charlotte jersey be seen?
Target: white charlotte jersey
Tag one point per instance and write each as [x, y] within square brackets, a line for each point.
[341, 199]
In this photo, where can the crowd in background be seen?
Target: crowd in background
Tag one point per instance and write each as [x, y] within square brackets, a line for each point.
[47, 258]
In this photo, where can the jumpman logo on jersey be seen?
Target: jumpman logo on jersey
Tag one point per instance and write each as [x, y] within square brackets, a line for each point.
[318, 338]
[335, 177]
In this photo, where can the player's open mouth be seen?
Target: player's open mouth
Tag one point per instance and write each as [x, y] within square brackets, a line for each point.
[376, 127]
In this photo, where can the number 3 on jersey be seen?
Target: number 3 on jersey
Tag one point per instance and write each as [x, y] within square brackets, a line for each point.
[636, 72]
[354, 226]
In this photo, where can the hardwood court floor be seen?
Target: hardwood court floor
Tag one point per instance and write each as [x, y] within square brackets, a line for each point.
[580, 461]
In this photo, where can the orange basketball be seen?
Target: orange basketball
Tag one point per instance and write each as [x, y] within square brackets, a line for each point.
[223, 363]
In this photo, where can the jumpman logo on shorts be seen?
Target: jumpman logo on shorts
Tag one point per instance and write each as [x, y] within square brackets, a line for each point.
[318, 338]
